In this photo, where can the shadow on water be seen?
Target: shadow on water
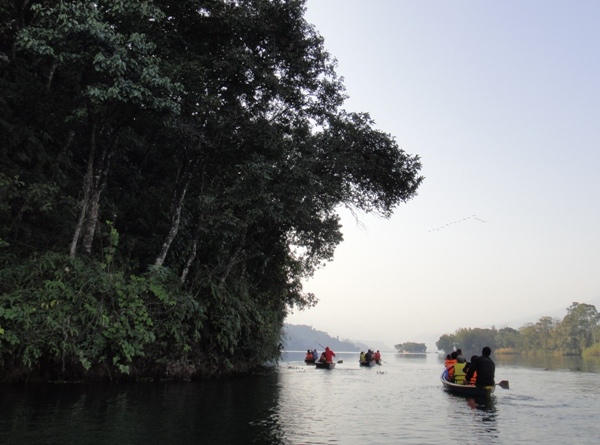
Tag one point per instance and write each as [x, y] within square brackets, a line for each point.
[224, 411]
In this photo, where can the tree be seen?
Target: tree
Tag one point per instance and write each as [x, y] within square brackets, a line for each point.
[210, 136]
[446, 343]
[577, 327]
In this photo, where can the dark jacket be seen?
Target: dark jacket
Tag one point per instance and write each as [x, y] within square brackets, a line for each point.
[486, 370]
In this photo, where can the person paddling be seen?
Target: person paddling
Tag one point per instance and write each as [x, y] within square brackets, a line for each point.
[485, 368]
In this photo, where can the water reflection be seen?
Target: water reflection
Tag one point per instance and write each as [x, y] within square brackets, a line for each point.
[403, 402]
[484, 411]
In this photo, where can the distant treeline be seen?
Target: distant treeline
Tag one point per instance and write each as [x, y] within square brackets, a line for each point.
[578, 333]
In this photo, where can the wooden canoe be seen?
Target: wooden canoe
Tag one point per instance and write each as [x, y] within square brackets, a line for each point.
[465, 390]
[369, 364]
[325, 365]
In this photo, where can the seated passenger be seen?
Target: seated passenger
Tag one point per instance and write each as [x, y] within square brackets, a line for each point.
[309, 355]
[466, 370]
[450, 365]
[377, 357]
[459, 370]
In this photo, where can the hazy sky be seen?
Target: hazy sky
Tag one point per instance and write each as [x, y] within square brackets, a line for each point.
[501, 100]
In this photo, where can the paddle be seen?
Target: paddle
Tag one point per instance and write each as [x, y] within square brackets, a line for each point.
[340, 361]
[503, 384]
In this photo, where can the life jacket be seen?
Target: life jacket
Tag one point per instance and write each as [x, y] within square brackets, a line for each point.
[450, 367]
[459, 373]
[473, 379]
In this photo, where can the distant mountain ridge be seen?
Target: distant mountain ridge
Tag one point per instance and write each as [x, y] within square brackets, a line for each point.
[303, 337]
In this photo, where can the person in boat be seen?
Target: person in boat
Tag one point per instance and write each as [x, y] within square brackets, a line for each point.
[315, 355]
[329, 354]
[323, 357]
[485, 368]
[369, 356]
[362, 358]
[309, 355]
[450, 362]
[377, 357]
[458, 375]
[466, 370]
[459, 355]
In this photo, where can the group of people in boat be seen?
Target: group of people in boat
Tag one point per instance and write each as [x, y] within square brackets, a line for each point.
[479, 371]
[325, 357]
[370, 356]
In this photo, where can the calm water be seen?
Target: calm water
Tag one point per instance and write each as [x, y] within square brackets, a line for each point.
[401, 402]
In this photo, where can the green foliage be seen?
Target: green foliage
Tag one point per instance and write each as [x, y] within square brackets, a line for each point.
[191, 157]
[592, 351]
[61, 316]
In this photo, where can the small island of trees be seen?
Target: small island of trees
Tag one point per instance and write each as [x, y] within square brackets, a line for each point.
[410, 347]
[578, 333]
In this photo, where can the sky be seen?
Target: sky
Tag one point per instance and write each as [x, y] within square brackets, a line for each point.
[501, 101]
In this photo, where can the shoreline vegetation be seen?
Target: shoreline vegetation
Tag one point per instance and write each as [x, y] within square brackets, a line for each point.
[169, 175]
[577, 334]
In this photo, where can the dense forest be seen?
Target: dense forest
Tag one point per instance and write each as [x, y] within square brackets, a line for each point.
[578, 333]
[170, 172]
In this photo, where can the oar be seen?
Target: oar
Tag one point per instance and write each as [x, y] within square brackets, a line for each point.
[319, 344]
[340, 361]
[503, 384]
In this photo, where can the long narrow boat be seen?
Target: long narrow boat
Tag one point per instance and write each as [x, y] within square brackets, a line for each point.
[325, 365]
[310, 362]
[465, 390]
[366, 363]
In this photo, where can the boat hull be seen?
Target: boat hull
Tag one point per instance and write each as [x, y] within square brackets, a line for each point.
[368, 364]
[466, 390]
[325, 365]
[310, 362]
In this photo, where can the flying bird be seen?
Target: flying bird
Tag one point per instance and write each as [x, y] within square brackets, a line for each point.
[475, 217]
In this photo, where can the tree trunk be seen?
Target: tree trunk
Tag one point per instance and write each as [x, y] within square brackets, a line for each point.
[181, 187]
[94, 184]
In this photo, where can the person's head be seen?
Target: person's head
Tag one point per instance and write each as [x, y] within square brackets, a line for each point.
[448, 357]
[460, 359]
[486, 351]
[473, 358]
[459, 351]
[327, 348]
[454, 355]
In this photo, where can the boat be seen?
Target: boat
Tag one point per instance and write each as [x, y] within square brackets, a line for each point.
[465, 390]
[366, 363]
[325, 365]
[310, 362]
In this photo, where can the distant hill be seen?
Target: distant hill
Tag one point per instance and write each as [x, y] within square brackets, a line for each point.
[302, 337]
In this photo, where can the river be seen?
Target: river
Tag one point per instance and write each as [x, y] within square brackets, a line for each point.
[550, 401]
